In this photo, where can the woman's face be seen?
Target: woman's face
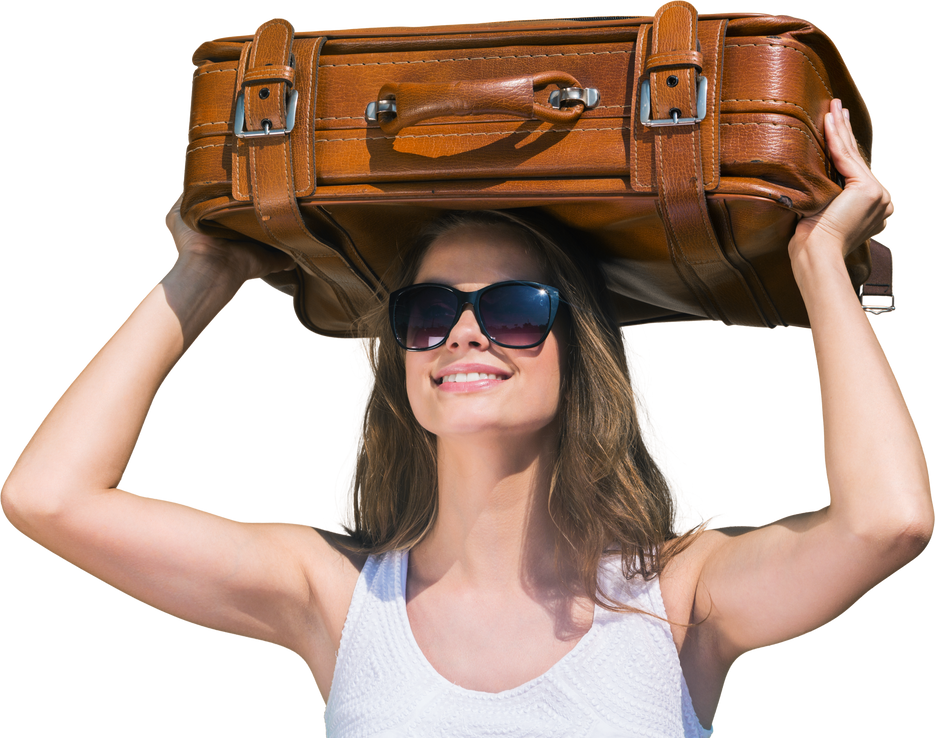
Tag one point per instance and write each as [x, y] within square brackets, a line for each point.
[523, 395]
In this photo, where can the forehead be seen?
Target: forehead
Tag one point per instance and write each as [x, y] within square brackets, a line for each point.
[480, 255]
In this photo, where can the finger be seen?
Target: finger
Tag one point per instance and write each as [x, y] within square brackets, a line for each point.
[850, 139]
[284, 265]
[842, 129]
[842, 146]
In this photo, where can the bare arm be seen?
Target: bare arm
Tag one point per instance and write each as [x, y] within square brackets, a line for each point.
[265, 581]
[761, 586]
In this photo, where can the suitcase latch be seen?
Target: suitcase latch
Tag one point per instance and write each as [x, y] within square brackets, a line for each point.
[676, 119]
[375, 109]
[292, 100]
[590, 96]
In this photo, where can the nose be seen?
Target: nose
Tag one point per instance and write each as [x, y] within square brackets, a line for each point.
[466, 331]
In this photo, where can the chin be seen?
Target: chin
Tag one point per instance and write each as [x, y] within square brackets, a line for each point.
[470, 425]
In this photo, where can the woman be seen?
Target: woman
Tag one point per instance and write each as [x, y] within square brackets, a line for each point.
[490, 546]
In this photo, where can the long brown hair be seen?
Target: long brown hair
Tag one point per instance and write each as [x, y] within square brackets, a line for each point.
[607, 494]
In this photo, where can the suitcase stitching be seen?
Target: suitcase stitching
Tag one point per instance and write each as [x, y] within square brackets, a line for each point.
[776, 100]
[213, 123]
[599, 107]
[211, 146]
[541, 133]
[797, 51]
[807, 135]
[715, 163]
[240, 178]
[503, 133]
[213, 71]
[537, 56]
[637, 74]
[461, 135]
[309, 117]
[474, 58]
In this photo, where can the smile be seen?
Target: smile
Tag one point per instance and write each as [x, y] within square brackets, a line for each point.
[469, 377]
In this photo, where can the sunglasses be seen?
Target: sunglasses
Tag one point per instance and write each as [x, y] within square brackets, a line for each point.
[511, 314]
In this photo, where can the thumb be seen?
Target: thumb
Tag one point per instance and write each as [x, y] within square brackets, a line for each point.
[281, 261]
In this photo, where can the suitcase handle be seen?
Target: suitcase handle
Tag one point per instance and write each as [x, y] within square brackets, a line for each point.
[403, 104]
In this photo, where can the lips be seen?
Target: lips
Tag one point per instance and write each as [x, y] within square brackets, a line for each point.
[468, 387]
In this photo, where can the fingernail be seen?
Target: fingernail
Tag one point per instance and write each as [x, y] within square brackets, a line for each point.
[847, 114]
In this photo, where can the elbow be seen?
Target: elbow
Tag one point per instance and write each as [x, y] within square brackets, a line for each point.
[916, 531]
[894, 532]
[10, 498]
[903, 535]
[29, 505]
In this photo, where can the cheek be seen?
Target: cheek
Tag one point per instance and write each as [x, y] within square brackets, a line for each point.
[415, 388]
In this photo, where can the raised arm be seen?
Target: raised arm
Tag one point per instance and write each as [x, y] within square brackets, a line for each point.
[265, 581]
[760, 586]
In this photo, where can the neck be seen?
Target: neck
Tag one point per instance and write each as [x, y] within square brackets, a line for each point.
[494, 530]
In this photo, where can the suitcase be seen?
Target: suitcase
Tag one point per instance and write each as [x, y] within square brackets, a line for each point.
[682, 148]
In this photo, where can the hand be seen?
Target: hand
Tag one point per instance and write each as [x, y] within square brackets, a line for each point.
[240, 259]
[857, 213]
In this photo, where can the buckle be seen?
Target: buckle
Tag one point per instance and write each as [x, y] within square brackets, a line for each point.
[886, 304]
[701, 87]
[292, 100]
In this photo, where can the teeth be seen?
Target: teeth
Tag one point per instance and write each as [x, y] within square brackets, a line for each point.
[472, 377]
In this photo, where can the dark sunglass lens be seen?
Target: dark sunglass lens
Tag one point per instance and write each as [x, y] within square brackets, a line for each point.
[516, 315]
[423, 316]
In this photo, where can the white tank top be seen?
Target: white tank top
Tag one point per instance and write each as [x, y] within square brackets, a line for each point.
[623, 678]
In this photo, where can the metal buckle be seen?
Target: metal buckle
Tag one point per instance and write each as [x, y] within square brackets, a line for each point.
[590, 96]
[292, 100]
[675, 120]
[883, 307]
[379, 106]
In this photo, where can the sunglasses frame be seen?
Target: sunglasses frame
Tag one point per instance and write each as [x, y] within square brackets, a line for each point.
[473, 299]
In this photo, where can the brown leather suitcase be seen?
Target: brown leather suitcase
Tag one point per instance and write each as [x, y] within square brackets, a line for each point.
[683, 148]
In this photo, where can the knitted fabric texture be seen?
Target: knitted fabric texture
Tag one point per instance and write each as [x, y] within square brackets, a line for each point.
[623, 678]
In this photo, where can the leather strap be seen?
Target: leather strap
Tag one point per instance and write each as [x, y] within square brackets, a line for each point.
[269, 74]
[679, 161]
[880, 281]
[270, 166]
[677, 58]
